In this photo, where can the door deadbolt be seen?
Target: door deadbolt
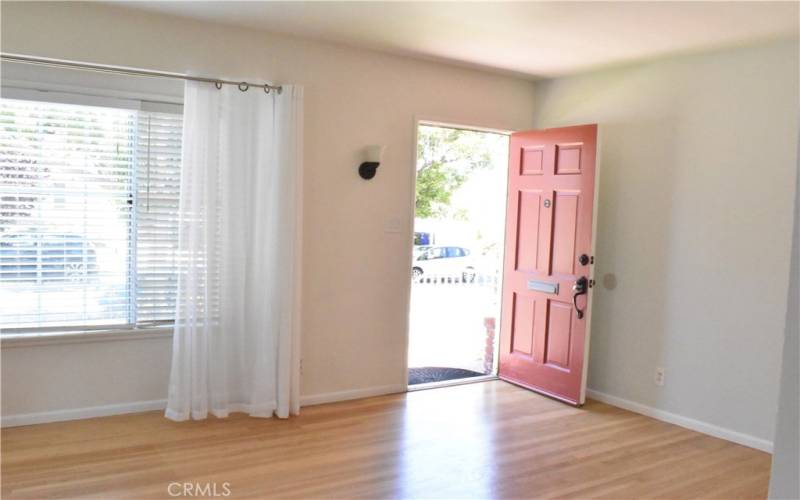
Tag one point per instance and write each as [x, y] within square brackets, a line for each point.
[583, 259]
[546, 203]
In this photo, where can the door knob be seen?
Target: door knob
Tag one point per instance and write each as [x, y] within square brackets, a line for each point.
[579, 288]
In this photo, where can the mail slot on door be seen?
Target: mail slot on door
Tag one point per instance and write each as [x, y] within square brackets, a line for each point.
[543, 286]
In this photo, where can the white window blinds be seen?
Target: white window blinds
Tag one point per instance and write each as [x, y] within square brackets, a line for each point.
[88, 205]
[157, 191]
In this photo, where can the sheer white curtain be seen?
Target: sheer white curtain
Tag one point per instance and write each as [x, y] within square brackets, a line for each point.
[236, 342]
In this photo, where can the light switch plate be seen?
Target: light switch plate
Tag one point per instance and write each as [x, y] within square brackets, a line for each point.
[393, 225]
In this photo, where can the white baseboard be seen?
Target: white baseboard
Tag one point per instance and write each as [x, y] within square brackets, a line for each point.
[80, 413]
[160, 404]
[688, 423]
[367, 392]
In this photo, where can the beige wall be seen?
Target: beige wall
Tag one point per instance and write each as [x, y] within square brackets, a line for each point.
[356, 280]
[784, 481]
[696, 191]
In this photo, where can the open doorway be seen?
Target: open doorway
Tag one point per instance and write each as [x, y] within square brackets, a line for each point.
[456, 272]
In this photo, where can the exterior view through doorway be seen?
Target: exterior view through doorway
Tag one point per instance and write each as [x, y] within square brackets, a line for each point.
[457, 260]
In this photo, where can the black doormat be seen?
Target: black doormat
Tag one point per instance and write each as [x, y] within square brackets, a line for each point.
[429, 374]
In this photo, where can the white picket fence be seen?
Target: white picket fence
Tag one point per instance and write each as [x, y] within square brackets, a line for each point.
[479, 279]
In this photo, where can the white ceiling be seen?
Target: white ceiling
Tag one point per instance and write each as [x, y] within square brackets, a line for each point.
[535, 39]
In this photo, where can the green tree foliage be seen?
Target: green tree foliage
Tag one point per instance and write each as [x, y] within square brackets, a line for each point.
[445, 159]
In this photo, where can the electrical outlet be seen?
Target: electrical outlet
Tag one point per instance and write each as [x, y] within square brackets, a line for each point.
[659, 376]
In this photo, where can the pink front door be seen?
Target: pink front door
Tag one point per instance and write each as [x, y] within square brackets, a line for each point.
[548, 261]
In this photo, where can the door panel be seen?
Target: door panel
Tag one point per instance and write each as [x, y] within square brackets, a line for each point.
[527, 248]
[532, 160]
[524, 314]
[565, 218]
[559, 320]
[549, 226]
[568, 159]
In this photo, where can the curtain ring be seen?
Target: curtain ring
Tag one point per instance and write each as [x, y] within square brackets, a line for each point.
[244, 86]
[218, 85]
[267, 89]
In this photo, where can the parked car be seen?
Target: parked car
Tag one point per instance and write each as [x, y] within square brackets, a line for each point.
[444, 261]
[39, 257]
[419, 250]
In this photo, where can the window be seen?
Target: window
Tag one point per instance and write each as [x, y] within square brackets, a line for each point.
[88, 215]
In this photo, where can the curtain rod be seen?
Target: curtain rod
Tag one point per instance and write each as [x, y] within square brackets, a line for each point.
[119, 70]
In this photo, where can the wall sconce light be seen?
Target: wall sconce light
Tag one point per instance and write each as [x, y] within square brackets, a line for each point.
[369, 167]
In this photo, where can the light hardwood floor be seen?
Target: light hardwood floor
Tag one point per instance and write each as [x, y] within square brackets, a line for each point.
[481, 440]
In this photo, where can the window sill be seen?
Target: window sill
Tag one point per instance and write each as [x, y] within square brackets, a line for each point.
[79, 337]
